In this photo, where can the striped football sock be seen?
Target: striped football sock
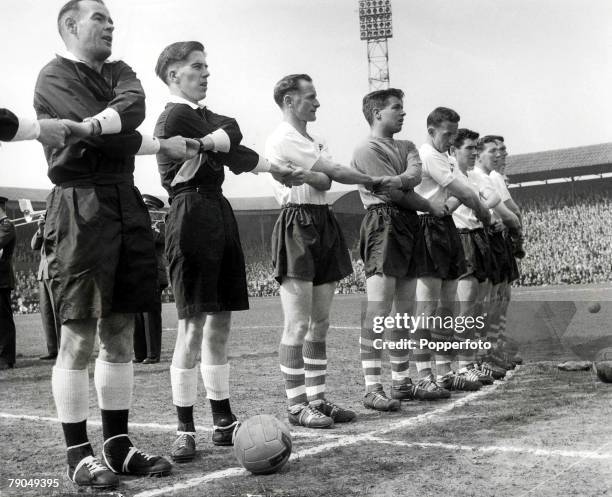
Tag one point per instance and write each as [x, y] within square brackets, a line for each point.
[315, 369]
[370, 358]
[493, 333]
[421, 354]
[292, 369]
[398, 356]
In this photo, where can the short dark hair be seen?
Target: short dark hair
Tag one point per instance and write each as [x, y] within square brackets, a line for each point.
[287, 85]
[441, 114]
[484, 140]
[464, 134]
[72, 5]
[377, 100]
[495, 137]
[175, 52]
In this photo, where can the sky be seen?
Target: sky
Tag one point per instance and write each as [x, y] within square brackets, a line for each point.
[536, 71]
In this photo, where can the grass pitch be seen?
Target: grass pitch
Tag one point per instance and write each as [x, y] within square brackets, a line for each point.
[540, 432]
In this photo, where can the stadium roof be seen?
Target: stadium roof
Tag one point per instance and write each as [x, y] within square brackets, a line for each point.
[563, 163]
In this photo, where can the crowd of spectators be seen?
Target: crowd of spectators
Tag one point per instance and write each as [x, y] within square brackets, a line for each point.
[24, 297]
[568, 240]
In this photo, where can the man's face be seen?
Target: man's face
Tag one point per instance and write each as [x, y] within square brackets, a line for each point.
[94, 30]
[489, 157]
[443, 135]
[304, 103]
[392, 115]
[501, 163]
[191, 76]
[466, 155]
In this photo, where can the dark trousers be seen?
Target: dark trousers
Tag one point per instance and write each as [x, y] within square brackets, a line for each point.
[147, 334]
[50, 319]
[7, 328]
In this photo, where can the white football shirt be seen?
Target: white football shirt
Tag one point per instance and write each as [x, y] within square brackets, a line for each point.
[286, 146]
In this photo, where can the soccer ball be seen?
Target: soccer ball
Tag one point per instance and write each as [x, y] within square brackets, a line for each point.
[262, 444]
[594, 308]
[603, 365]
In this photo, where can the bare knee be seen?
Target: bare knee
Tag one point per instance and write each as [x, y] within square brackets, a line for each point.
[215, 342]
[295, 331]
[188, 342]
[192, 338]
[116, 338]
[77, 344]
[318, 330]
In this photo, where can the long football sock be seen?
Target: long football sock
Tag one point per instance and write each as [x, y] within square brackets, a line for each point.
[315, 369]
[70, 389]
[292, 368]
[371, 356]
[71, 394]
[421, 354]
[398, 356]
[216, 382]
[221, 410]
[184, 395]
[114, 385]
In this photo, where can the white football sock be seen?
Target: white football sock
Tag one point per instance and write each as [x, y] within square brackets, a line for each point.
[114, 383]
[71, 394]
[184, 386]
[216, 381]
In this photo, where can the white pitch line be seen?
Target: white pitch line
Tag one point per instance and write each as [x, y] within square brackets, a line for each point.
[235, 471]
[192, 482]
[423, 418]
[341, 442]
[583, 454]
[97, 422]
[562, 471]
[156, 426]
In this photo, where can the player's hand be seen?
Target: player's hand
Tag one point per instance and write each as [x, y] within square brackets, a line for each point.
[438, 208]
[498, 225]
[288, 175]
[53, 133]
[384, 184]
[78, 130]
[374, 186]
[297, 177]
[179, 148]
[279, 171]
[484, 216]
[193, 148]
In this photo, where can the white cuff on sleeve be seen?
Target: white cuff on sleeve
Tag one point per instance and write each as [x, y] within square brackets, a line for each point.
[110, 121]
[263, 166]
[221, 140]
[149, 146]
[28, 129]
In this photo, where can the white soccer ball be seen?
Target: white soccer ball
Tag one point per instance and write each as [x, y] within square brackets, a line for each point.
[262, 444]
